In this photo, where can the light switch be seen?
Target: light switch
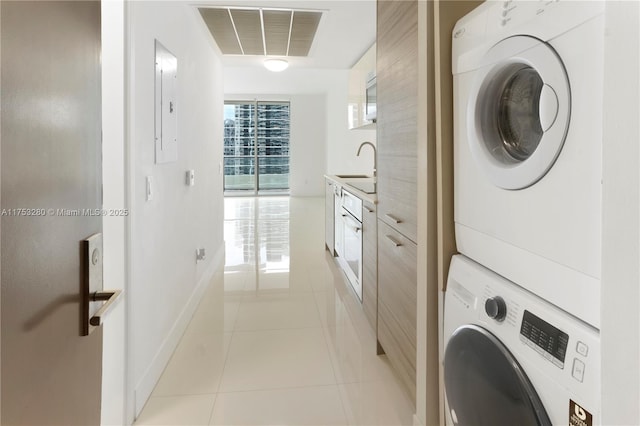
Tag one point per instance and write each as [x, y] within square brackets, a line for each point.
[149, 188]
[191, 177]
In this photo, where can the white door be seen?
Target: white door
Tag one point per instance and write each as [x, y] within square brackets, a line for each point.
[485, 384]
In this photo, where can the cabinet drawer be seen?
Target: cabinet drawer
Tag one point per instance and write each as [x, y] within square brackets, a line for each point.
[397, 299]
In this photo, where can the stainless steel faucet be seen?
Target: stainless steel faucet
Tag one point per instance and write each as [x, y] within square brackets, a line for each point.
[375, 155]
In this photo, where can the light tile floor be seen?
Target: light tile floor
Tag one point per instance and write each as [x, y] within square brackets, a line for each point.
[279, 338]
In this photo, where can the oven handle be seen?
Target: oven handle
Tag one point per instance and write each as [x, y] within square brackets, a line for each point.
[357, 226]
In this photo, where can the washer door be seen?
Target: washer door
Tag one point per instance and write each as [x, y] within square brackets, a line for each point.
[485, 385]
[518, 112]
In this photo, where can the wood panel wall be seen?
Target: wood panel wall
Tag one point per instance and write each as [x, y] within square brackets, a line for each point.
[446, 14]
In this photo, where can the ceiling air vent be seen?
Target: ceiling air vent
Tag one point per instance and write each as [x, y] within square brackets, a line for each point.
[269, 32]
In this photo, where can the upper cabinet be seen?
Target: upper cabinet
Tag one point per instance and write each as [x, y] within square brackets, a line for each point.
[359, 76]
[397, 142]
[397, 124]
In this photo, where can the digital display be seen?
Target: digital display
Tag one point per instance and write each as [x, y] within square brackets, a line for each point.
[544, 336]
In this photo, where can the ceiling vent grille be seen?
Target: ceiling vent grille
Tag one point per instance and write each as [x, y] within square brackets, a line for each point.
[269, 32]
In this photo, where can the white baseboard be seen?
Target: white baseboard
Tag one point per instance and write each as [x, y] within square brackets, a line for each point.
[150, 378]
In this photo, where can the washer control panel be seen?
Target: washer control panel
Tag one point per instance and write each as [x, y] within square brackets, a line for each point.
[543, 337]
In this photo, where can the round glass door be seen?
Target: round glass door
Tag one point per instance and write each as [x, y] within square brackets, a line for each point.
[518, 120]
[519, 111]
[485, 385]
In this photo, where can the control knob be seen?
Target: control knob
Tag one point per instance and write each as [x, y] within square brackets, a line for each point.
[496, 308]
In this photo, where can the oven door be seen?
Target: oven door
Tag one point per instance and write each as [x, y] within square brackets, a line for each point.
[352, 251]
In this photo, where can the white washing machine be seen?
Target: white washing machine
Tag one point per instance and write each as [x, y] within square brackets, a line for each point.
[511, 358]
[528, 79]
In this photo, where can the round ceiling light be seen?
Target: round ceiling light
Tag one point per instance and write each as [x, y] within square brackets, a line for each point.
[276, 65]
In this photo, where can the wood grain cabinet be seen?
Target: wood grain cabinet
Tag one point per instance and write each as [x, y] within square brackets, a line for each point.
[329, 214]
[397, 132]
[397, 293]
[397, 79]
[370, 263]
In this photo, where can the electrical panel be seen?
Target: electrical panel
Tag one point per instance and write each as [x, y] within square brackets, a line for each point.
[166, 117]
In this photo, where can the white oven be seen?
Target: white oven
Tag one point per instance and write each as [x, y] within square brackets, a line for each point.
[351, 256]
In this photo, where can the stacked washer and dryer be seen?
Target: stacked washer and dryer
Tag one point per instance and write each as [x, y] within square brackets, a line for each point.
[522, 306]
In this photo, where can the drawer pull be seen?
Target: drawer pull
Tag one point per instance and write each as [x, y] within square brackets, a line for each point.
[370, 210]
[393, 218]
[395, 242]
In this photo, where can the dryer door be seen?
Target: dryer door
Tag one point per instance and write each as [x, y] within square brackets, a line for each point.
[518, 112]
[485, 385]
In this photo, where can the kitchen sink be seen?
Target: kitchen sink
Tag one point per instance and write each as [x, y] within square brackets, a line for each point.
[366, 187]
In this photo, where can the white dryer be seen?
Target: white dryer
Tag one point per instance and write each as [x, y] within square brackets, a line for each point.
[511, 358]
[528, 79]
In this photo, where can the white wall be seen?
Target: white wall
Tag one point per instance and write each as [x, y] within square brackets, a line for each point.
[308, 134]
[166, 282]
[343, 143]
[308, 86]
[113, 227]
[620, 329]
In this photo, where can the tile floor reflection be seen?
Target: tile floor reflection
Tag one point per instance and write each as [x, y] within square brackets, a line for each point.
[279, 338]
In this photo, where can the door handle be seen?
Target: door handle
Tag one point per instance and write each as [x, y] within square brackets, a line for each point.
[395, 242]
[109, 296]
[92, 291]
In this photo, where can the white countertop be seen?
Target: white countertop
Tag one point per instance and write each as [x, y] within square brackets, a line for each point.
[345, 180]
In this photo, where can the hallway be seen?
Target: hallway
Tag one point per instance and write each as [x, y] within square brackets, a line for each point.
[278, 338]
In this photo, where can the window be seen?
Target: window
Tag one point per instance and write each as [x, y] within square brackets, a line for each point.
[256, 146]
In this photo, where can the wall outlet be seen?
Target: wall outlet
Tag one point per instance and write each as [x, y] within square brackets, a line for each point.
[200, 254]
